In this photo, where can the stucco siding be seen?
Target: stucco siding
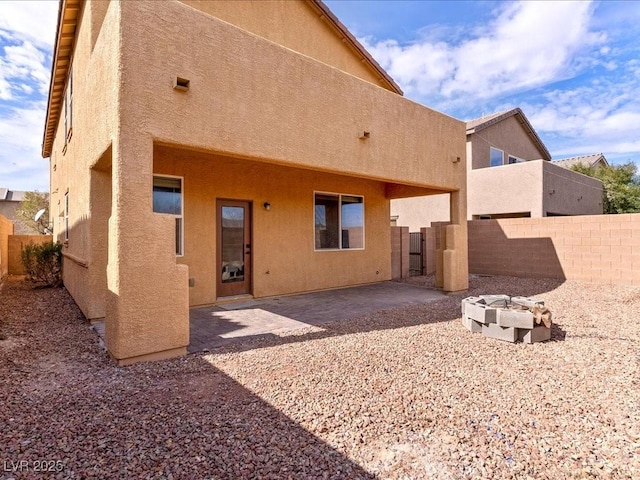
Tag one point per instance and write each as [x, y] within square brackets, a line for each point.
[95, 118]
[283, 253]
[570, 193]
[255, 99]
[506, 189]
[259, 122]
[295, 25]
[419, 212]
[508, 136]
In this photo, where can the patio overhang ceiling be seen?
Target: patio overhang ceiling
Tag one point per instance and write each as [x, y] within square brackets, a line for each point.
[68, 15]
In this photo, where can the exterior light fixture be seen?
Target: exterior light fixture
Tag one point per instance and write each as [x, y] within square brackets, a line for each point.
[364, 135]
[267, 206]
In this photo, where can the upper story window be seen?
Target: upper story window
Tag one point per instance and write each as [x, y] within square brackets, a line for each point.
[514, 159]
[339, 221]
[66, 217]
[496, 157]
[68, 108]
[167, 198]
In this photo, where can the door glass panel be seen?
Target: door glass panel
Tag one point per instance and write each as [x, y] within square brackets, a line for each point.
[232, 244]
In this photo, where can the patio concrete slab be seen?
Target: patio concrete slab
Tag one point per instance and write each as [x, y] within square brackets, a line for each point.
[216, 326]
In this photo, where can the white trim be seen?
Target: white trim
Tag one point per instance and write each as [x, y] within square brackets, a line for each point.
[498, 150]
[339, 195]
[66, 216]
[181, 216]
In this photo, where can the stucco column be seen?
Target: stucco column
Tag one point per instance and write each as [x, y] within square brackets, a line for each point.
[455, 261]
[147, 305]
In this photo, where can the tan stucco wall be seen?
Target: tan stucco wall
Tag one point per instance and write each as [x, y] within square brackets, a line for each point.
[6, 229]
[279, 106]
[95, 120]
[506, 189]
[526, 188]
[570, 193]
[508, 136]
[295, 25]
[283, 237]
[418, 212]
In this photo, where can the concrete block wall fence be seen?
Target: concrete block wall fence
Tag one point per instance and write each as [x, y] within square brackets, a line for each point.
[16, 242]
[593, 248]
[6, 229]
[399, 252]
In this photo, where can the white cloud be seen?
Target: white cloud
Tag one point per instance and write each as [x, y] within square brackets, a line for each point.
[19, 64]
[27, 31]
[599, 117]
[527, 45]
[33, 21]
[21, 131]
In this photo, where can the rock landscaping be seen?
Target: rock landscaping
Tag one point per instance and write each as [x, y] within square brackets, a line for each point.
[400, 394]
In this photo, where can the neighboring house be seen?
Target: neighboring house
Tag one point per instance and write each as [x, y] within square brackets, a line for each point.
[207, 151]
[596, 160]
[9, 203]
[509, 174]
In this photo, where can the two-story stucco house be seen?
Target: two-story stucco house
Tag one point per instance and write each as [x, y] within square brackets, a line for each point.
[509, 175]
[207, 150]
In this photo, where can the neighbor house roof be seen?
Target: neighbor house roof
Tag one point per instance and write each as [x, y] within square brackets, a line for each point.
[479, 124]
[65, 35]
[7, 195]
[589, 160]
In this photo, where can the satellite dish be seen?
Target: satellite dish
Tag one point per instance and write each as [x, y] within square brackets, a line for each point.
[39, 214]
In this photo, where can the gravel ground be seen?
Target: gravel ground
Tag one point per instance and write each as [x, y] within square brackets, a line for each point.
[401, 394]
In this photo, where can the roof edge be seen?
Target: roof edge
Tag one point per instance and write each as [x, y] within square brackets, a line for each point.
[524, 121]
[47, 144]
[353, 41]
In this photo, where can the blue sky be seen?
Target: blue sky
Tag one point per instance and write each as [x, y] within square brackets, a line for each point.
[573, 67]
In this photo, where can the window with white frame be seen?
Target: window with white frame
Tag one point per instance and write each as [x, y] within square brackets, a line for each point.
[496, 157]
[68, 108]
[167, 198]
[66, 217]
[339, 221]
[514, 159]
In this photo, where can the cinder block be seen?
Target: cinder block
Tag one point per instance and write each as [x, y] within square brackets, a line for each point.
[527, 301]
[471, 325]
[468, 300]
[537, 334]
[496, 300]
[492, 330]
[515, 318]
[480, 313]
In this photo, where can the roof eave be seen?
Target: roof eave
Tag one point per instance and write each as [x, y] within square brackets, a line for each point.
[385, 78]
[62, 51]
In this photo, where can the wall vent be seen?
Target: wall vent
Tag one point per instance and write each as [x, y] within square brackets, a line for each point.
[181, 84]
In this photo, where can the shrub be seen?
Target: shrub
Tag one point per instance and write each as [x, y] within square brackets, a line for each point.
[43, 263]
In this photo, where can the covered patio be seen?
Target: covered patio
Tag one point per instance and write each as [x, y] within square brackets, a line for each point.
[250, 319]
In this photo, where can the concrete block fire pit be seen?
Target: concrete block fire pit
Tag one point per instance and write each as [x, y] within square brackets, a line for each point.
[507, 318]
